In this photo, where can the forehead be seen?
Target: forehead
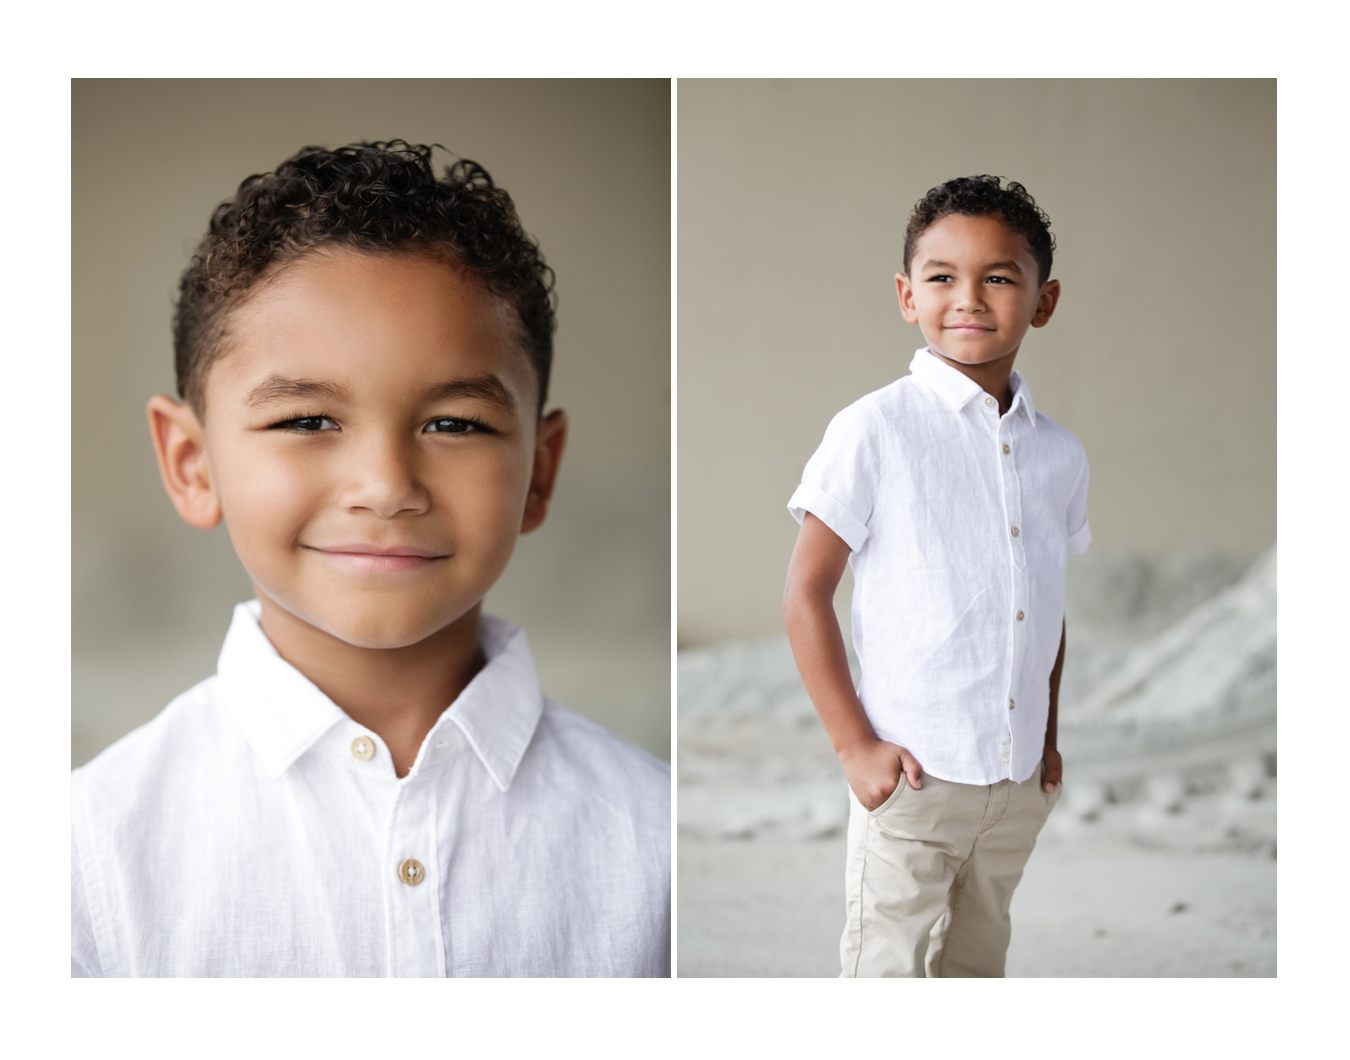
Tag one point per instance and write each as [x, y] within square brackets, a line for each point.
[958, 237]
[375, 323]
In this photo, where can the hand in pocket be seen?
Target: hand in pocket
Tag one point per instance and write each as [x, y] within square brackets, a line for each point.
[876, 768]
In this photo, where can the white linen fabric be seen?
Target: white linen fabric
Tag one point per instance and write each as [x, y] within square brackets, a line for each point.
[239, 833]
[959, 523]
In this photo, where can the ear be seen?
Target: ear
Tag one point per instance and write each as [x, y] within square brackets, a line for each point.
[906, 293]
[1045, 304]
[548, 450]
[180, 445]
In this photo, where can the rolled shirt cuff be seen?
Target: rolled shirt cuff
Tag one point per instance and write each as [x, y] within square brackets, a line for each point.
[829, 511]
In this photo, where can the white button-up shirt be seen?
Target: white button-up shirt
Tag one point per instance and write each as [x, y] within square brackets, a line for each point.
[959, 522]
[253, 828]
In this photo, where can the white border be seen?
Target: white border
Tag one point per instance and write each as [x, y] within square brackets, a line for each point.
[1076, 1018]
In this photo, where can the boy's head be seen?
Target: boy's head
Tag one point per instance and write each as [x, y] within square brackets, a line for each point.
[372, 197]
[363, 352]
[984, 196]
[977, 269]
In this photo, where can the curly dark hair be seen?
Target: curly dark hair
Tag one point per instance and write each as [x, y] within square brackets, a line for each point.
[379, 196]
[983, 196]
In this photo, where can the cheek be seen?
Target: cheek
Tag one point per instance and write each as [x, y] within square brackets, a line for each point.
[266, 500]
[928, 301]
[484, 500]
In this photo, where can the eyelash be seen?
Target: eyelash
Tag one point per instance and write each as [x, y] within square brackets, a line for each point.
[943, 276]
[462, 422]
[289, 424]
[463, 425]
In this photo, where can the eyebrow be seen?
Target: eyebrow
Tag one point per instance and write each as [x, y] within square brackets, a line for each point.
[1010, 265]
[277, 388]
[484, 387]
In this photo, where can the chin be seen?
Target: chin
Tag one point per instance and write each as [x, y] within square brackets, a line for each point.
[378, 640]
[375, 620]
[969, 356]
[382, 631]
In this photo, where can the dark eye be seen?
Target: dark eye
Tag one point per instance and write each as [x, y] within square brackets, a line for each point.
[999, 279]
[453, 425]
[307, 424]
[939, 277]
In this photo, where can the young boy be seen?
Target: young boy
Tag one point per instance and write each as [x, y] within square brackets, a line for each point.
[956, 504]
[372, 784]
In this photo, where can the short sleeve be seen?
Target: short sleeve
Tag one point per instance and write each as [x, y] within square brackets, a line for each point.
[839, 483]
[1076, 523]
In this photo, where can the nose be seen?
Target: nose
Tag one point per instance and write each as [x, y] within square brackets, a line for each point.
[382, 478]
[970, 295]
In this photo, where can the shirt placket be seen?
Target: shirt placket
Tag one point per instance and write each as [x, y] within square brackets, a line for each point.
[1017, 620]
[413, 885]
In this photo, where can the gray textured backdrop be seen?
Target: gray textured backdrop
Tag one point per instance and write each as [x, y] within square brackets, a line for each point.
[588, 164]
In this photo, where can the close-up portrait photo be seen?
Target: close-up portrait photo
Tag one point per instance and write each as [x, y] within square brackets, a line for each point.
[371, 528]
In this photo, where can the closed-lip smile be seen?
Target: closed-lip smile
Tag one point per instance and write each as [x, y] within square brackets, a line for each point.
[362, 556]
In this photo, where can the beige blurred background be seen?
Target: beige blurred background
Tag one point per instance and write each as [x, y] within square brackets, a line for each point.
[588, 165]
[793, 199]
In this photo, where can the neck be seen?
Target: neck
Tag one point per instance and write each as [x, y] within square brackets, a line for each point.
[396, 693]
[992, 376]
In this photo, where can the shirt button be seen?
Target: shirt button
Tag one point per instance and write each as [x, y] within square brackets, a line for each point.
[1006, 449]
[1014, 531]
[363, 748]
[410, 871]
[989, 401]
[1012, 704]
[1020, 616]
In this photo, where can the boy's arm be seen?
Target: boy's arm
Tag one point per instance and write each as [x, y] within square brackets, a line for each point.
[873, 767]
[1054, 765]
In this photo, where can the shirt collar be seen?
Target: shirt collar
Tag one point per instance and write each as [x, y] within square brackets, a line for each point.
[283, 714]
[500, 709]
[956, 388]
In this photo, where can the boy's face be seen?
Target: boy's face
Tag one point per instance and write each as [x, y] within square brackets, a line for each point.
[973, 288]
[372, 442]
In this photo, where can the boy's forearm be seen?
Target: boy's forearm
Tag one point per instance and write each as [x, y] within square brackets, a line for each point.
[818, 647]
[1052, 722]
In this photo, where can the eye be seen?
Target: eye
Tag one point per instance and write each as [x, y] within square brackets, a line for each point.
[306, 424]
[455, 425]
[999, 279]
[941, 277]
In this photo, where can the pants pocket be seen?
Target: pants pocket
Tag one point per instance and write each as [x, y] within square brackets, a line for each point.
[890, 799]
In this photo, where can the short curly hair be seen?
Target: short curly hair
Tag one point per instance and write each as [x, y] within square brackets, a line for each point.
[369, 196]
[983, 196]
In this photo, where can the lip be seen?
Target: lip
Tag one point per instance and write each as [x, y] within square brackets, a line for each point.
[361, 556]
[968, 327]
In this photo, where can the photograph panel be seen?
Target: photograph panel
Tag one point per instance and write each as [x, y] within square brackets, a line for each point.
[794, 199]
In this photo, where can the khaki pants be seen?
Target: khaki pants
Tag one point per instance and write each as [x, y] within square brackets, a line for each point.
[931, 874]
